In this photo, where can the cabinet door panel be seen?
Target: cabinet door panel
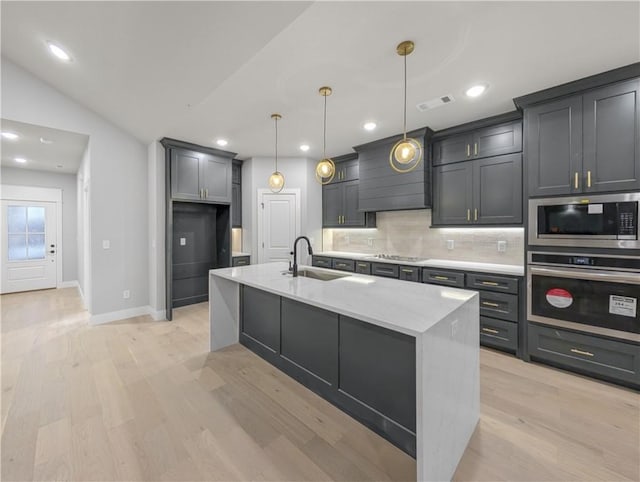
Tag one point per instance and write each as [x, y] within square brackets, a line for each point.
[185, 174]
[352, 217]
[261, 317]
[498, 140]
[611, 138]
[553, 147]
[453, 186]
[236, 206]
[452, 149]
[215, 178]
[332, 195]
[498, 190]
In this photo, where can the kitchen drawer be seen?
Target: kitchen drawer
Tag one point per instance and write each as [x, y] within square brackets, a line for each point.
[409, 273]
[321, 261]
[499, 305]
[440, 277]
[598, 356]
[498, 333]
[503, 284]
[385, 269]
[241, 261]
[343, 264]
[362, 267]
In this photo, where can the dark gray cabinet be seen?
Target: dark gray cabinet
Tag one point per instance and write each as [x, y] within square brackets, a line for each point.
[409, 273]
[486, 191]
[241, 261]
[363, 267]
[260, 320]
[340, 206]
[236, 195]
[347, 168]
[603, 358]
[196, 176]
[486, 142]
[585, 143]
[383, 189]
[343, 264]
[386, 270]
[321, 261]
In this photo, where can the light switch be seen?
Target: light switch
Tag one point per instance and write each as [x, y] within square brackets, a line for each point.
[106, 244]
[450, 244]
[502, 246]
[183, 241]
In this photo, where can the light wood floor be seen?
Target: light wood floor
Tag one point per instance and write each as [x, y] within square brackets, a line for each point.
[145, 400]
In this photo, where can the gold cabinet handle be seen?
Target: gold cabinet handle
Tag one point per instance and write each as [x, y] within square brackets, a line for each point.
[443, 278]
[580, 352]
[362, 265]
[475, 148]
[206, 193]
[468, 214]
[490, 283]
[404, 270]
[475, 214]
[468, 150]
[588, 178]
[575, 180]
[489, 303]
[490, 330]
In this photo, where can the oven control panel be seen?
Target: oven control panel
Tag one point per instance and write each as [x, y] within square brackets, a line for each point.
[625, 263]
[627, 219]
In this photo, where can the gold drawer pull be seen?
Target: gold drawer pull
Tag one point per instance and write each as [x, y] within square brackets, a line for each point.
[468, 150]
[468, 214]
[580, 352]
[588, 178]
[407, 270]
[575, 180]
[475, 148]
[488, 303]
[490, 330]
[490, 283]
[362, 265]
[443, 278]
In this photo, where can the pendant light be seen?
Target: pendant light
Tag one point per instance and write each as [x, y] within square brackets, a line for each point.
[325, 169]
[407, 153]
[276, 179]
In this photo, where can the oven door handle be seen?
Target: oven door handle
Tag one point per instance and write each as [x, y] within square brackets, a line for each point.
[593, 275]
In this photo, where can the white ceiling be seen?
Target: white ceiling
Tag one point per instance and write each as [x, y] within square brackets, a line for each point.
[197, 71]
[66, 148]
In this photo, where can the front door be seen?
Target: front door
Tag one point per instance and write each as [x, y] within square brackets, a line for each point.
[280, 226]
[29, 260]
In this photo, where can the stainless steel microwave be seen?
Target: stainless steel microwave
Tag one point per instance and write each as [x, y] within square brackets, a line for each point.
[600, 221]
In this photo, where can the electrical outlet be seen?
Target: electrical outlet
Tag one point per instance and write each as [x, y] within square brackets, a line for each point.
[369, 242]
[450, 244]
[106, 244]
[126, 294]
[454, 328]
[502, 246]
[183, 241]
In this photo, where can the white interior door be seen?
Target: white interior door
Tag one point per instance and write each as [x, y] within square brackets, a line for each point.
[280, 224]
[29, 260]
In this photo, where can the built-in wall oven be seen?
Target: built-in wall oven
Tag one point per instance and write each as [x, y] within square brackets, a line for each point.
[598, 221]
[588, 292]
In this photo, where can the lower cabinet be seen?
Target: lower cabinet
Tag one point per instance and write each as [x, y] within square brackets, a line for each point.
[599, 357]
[366, 370]
[385, 269]
[321, 261]
[343, 264]
[241, 261]
[409, 273]
[498, 333]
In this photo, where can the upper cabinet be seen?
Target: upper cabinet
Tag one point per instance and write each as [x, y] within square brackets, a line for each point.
[477, 178]
[382, 188]
[340, 204]
[485, 142]
[198, 173]
[582, 143]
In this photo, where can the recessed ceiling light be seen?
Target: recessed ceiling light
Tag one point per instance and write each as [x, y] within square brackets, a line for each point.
[20, 160]
[45, 141]
[304, 147]
[59, 52]
[10, 135]
[370, 126]
[476, 90]
[222, 142]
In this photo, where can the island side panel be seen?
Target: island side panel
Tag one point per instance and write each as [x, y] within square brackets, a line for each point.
[448, 391]
[224, 312]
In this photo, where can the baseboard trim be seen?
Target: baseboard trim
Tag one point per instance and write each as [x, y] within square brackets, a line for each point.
[118, 315]
[70, 284]
[157, 315]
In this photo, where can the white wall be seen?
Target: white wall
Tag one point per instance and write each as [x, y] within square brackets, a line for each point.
[67, 183]
[83, 179]
[118, 189]
[157, 204]
[299, 173]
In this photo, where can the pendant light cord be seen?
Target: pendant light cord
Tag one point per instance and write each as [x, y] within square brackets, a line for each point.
[405, 96]
[276, 119]
[324, 129]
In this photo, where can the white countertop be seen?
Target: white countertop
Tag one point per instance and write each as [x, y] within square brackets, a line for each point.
[403, 306]
[235, 254]
[508, 269]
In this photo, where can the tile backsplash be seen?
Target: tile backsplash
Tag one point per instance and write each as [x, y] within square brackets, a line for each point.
[407, 233]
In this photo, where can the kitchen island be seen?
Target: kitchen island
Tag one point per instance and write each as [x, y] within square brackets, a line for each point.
[401, 357]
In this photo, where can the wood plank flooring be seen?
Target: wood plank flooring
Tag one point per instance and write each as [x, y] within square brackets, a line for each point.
[145, 400]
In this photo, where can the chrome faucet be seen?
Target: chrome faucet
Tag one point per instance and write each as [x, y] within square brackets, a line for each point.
[295, 253]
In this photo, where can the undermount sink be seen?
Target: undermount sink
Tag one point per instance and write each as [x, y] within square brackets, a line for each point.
[319, 275]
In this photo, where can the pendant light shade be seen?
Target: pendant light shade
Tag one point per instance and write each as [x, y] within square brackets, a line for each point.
[325, 169]
[276, 179]
[407, 153]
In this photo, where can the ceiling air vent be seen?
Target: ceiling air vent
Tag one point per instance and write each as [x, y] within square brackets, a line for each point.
[433, 103]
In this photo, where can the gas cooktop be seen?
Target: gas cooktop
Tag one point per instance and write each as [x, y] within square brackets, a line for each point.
[395, 257]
